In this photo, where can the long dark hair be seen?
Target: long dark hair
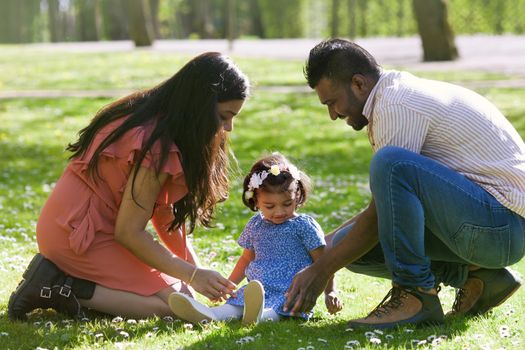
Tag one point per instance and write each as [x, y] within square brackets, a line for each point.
[184, 111]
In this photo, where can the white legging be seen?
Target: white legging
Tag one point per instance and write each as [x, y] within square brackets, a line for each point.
[234, 312]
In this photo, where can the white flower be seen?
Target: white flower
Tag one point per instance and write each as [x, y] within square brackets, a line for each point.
[274, 170]
[124, 334]
[294, 172]
[248, 195]
[375, 340]
[257, 179]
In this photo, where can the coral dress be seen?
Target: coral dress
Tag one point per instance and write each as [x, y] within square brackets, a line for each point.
[76, 226]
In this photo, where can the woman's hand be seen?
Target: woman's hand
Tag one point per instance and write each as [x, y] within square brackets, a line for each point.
[332, 302]
[212, 285]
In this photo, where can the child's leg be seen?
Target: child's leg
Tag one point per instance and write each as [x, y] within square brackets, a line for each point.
[227, 312]
[270, 315]
[189, 309]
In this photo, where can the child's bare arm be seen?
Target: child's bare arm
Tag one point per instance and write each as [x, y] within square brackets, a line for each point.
[238, 272]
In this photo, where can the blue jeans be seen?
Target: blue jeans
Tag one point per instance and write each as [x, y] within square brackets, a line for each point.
[433, 222]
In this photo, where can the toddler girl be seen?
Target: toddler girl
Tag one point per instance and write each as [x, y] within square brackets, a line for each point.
[277, 244]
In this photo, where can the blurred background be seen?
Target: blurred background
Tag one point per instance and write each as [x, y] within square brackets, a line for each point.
[144, 21]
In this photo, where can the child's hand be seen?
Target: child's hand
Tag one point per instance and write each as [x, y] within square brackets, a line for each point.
[332, 302]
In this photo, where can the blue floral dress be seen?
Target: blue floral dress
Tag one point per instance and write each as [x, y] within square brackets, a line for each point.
[281, 250]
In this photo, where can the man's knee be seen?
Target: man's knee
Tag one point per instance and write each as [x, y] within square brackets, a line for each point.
[385, 161]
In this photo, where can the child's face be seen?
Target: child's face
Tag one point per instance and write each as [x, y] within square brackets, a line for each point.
[276, 207]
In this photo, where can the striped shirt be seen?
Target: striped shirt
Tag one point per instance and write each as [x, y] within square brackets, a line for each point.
[452, 125]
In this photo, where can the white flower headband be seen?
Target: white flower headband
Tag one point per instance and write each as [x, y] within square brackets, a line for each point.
[257, 178]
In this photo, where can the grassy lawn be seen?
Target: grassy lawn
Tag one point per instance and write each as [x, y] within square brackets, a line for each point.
[33, 134]
[27, 68]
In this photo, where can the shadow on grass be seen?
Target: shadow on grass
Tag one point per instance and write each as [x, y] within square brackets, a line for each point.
[49, 330]
[324, 335]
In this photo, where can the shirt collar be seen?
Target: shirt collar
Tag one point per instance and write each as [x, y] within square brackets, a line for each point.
[370, 101]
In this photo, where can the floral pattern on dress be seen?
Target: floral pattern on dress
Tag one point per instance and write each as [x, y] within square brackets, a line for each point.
[281, 250]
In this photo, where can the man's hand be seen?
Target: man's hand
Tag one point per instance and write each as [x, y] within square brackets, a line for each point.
[306, 286]
[332, 302]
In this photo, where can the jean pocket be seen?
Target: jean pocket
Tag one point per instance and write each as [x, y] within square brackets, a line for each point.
[483, 246]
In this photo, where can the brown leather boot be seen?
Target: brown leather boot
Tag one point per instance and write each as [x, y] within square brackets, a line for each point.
[483, 290]
[403, 305]
[45, 286]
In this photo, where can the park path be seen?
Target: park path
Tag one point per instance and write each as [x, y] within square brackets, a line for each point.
[495, 54]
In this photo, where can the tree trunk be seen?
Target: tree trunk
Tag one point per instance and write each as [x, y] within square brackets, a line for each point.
[17, 22]
[435, 31]
[256, 21]
[352, 21]
[230, 17]
[363, 9]
[87, 20]
[139, 23]
[53, 21]
[114, 20]
[154, 11]
[334, 23]
[201, 18]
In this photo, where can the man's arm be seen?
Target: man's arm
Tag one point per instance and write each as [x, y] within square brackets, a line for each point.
[311, 281]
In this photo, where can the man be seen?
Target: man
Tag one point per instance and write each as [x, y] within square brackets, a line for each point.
[448, 186]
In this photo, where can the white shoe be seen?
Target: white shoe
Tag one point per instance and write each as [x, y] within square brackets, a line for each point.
[253, 303]
[189, 309]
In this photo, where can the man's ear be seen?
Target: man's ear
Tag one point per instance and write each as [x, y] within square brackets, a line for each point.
[360, 82]
[362, 85]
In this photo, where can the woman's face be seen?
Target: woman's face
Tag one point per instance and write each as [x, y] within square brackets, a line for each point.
[227, 110]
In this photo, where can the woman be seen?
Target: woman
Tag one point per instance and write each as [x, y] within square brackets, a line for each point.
[159, 154]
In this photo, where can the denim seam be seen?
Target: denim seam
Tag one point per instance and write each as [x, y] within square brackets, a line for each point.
[416, 165]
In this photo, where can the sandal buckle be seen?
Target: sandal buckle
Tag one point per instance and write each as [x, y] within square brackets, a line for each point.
[65, 291]
[45, 292]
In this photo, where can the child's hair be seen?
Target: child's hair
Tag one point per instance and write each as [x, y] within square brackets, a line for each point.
[275, 174]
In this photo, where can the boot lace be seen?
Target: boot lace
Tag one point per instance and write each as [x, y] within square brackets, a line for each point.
[460, 295]
[392, 301]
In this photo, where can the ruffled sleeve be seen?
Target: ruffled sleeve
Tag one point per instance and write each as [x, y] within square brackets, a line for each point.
[115, 166]
[126, 151]
[311, 233]
[246, 238]
[175, 188]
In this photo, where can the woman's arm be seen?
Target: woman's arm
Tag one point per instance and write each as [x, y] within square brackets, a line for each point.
[176, 240]
[239, 271]
[191, 256]
[130, 231]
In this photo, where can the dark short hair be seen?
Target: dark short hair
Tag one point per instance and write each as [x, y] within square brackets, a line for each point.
[339, 60]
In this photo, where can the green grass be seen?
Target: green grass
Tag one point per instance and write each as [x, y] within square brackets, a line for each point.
[28, 68]
[33, 134]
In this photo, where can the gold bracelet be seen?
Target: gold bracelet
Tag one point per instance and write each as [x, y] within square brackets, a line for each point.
[193, 275]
